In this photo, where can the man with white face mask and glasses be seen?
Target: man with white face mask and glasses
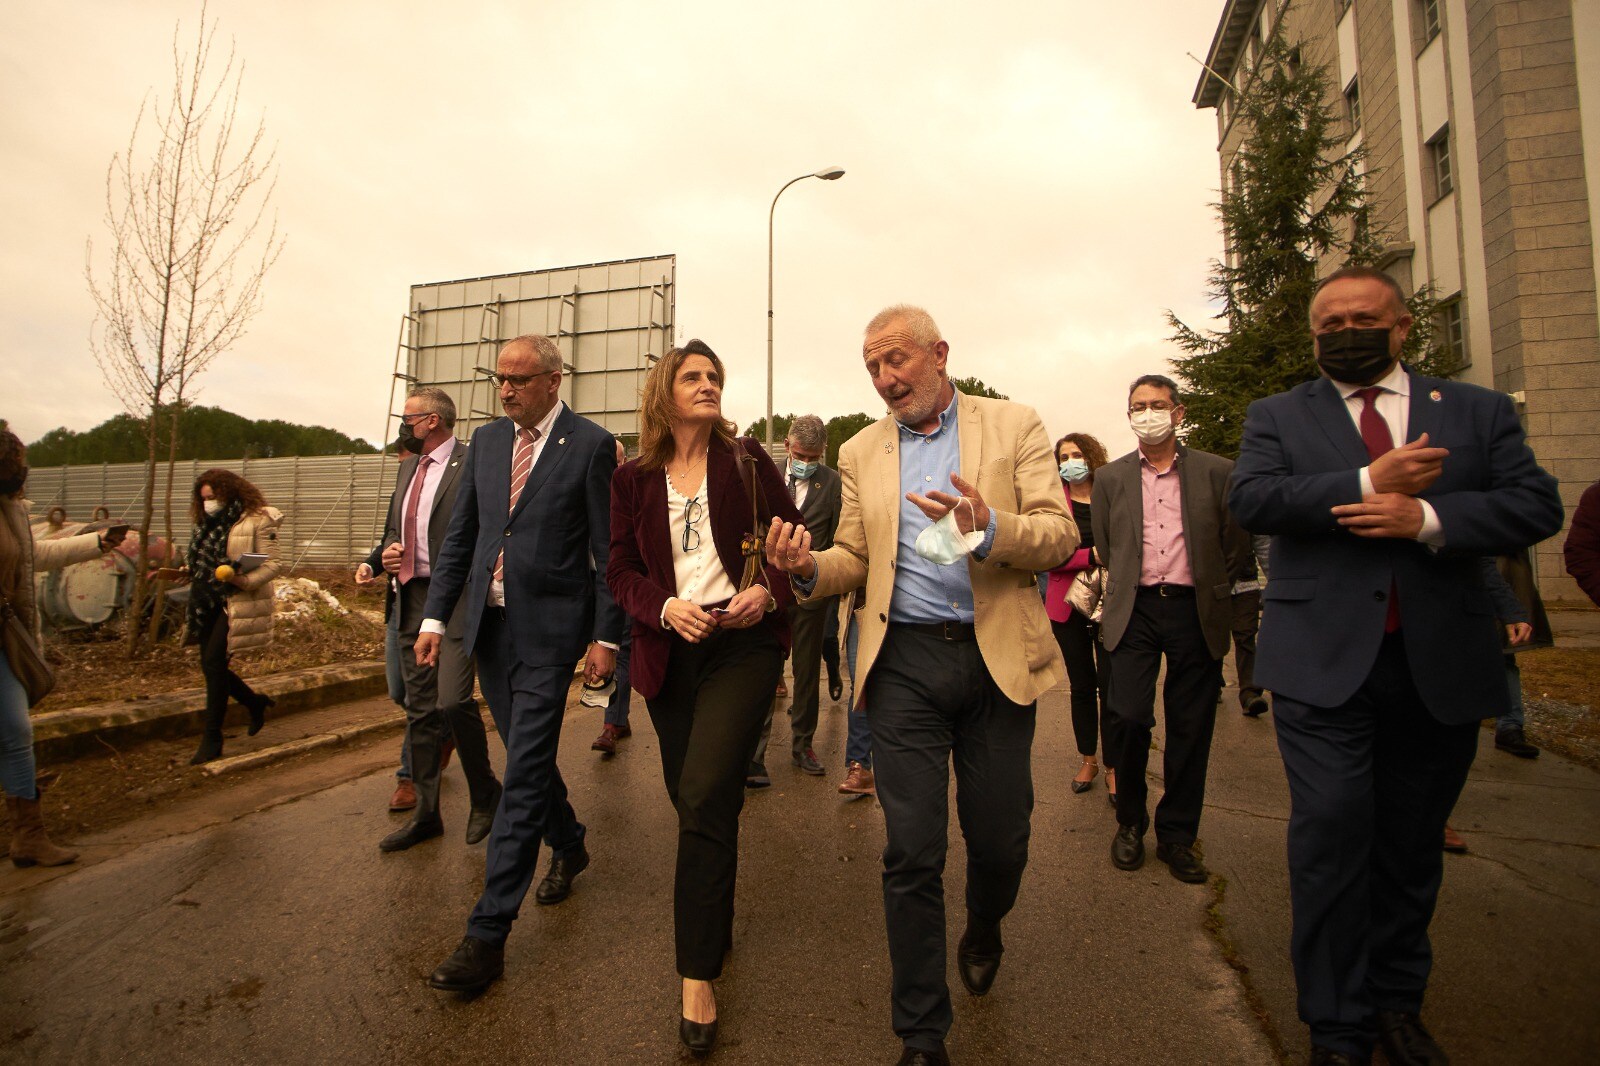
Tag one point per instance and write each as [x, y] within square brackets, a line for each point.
[1161, 527]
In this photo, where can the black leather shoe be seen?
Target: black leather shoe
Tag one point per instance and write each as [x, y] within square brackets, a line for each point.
[473, 966]
[978, 955]
[1256, 707]
[1406, 1043]
[1184, 864]
[698, 1037]
[1127, 848]
[412, 833]
[557, 883]
[917, 1056]
[1321, 1056]
[258, 712]
[1513, 741]
[481, 820]
[835, 686]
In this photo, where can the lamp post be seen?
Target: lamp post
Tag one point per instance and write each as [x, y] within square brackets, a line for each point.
[826, 174]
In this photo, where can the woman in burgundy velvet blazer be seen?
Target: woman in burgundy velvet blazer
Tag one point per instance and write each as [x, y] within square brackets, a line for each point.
[706, 657]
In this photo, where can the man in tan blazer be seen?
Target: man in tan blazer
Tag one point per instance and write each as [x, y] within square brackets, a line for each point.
[954, 646]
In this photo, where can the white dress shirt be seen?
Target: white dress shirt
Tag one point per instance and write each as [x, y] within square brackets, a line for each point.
[1394, 407]
[798, 487]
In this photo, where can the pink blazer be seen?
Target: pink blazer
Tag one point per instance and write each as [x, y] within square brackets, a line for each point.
[1055, 590]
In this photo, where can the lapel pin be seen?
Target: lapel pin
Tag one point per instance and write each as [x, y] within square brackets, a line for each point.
[888, 449]
[563, 440]
[1435, 396]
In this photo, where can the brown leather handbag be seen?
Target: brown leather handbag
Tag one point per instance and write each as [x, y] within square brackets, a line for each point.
[752, 545]
[23, 655]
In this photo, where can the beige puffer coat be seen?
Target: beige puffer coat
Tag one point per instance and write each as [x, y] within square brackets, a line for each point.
[20, 555]
[250, 606]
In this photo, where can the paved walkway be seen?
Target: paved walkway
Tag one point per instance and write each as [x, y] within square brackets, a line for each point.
[276, 931]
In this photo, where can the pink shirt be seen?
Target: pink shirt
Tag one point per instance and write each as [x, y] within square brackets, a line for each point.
[433, 473]
[1165, 559]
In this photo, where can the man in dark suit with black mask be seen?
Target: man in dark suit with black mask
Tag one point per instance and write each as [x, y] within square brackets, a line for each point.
[1381, 488]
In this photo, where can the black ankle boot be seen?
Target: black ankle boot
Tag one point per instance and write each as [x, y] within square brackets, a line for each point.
[258, 711]
[210, 748]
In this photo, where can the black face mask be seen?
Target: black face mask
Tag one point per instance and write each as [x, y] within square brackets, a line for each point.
[12, 485]
[409, 438]
[1354, 356]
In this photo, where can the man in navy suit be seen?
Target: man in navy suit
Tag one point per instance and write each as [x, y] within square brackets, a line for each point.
[527, 548]
[1381, 488]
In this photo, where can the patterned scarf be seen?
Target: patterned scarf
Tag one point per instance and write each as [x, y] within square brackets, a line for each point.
[208, 549]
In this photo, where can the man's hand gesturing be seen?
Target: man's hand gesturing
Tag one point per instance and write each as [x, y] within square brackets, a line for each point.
[789, 549]
[1408, 469]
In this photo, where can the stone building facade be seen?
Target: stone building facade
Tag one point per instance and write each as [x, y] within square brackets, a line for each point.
[1480, 121]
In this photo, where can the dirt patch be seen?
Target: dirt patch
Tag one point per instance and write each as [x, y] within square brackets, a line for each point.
[1561, 694]
[94, 668]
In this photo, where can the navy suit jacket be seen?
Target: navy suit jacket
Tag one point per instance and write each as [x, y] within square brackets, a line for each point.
[1326, 599]
[555, 542]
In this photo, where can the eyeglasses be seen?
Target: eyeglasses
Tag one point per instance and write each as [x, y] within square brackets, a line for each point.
[1157, 405]
[518, 381]
[402, 416]
[691, 516]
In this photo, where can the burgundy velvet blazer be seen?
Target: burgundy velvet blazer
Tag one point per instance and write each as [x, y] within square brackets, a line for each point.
[640, 570]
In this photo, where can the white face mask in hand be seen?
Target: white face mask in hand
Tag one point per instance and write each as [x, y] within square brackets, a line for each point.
[944, 543]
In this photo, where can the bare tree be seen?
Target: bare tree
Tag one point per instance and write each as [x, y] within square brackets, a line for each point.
[189, 246]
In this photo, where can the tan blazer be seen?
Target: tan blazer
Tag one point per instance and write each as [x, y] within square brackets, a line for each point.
[1005, 453]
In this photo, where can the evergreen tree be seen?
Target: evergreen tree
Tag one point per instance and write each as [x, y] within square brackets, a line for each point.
[1296, 195]
[203, 433]
[975, 387]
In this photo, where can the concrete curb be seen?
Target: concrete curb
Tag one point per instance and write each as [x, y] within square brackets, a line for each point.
[64, 734]
[295, 747]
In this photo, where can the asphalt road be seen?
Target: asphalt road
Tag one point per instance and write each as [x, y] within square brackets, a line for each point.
[269, 928]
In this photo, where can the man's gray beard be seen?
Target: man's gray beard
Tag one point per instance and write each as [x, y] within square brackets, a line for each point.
[917, 417]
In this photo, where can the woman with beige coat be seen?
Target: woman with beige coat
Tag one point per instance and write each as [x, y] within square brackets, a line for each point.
[230, 606]
[19, 557]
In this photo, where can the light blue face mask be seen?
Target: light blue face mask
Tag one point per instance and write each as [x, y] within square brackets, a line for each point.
[1074, 470]
[944, 543]
[800, 470]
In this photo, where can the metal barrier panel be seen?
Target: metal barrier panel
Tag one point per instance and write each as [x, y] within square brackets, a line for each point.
[333, 505]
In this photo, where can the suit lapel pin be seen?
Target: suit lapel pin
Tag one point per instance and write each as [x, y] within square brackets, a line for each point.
[1435, 396]
[563, 440]
[888, 449]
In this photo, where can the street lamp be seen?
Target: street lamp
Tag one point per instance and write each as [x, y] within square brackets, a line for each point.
[826, 174]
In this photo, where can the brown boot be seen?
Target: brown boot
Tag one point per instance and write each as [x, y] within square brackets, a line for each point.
[30, 845]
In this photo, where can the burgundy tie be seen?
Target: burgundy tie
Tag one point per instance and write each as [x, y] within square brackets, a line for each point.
[408, 541]
[521, 466]
[1379, 441]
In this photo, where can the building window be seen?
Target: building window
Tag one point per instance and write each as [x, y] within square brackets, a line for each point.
[1352, 104]
[1439, 159]
[1450, 337]
[1430, 19]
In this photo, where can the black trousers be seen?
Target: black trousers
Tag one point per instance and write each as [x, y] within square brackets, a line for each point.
[221, 681]
[707, 716]
[1370, 784]
[439, 704]
[1164, 626]
[932, 702]
[1246, 623]
[808, 648]
[1088, 668]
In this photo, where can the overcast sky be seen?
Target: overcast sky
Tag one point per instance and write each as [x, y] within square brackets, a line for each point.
[1032, 174]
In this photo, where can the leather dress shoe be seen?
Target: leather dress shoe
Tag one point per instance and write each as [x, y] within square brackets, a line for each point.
[1406, 1043]
[757, 779]
[978, 955]
[1321, 1056]
[557, 883]
[473, 966]
[1183, 862]
[1513, 741]
[1453, 842]
[835, 686]
[1127, 848]
[809, 763]
[405, 795]
[859, 781]
[606, 742]
[1256, 707]
[481, 819]
[698, 1037]
[412, 833]
[917, 1056]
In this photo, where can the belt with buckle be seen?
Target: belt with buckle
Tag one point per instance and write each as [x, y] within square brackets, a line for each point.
[954, 632]
[1169, 591]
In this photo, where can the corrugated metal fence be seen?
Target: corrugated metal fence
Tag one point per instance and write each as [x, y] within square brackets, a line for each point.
[333, 505]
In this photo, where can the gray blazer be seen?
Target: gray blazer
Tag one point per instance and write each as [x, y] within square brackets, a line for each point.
[444, 503]
[824, 500]
[1215, 543]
